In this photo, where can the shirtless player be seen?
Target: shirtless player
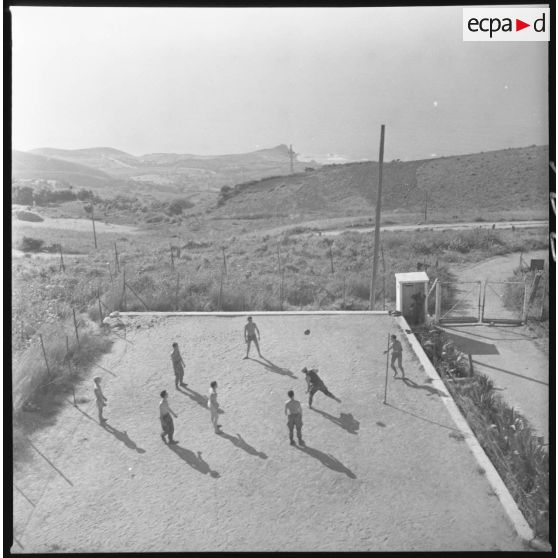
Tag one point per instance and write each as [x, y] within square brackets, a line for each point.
[250, 331]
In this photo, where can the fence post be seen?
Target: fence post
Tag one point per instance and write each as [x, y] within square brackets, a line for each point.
[224, 260]
[75, 325]
[344, 292]
[281, 293]
[100, 309]
[438, 303]
[124, 290]
[44, 354]
[62, 266]
[67, 347]
[116, 262]
[172, 257]
[331, 255]
[177, 290]
[93, 221]
[220, 291]
[483, 300]
[471, 369]
[525, 300]
[110, 272]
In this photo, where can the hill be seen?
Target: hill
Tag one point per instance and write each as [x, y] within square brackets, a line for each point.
[494, 181]
[198, 177]
[38, 167]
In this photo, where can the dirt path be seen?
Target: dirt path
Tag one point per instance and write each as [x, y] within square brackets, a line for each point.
[75, 225]
[512, 356]
[394, 477]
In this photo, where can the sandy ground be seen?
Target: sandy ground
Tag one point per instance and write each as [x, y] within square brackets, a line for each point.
[512, 356]
[372, 477]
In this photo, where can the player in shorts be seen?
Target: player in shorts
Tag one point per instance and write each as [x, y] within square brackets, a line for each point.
[293, 410]
[178, 366]
[315, 384]
[251, 334]
[396, 355]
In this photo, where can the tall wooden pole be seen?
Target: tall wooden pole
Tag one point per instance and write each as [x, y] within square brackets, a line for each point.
[93, 221]
[387, 370]
[372, 301]
[425, 205]
[75, 325]
[44, 354]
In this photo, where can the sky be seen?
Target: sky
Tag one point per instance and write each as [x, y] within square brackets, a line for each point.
[212, 81]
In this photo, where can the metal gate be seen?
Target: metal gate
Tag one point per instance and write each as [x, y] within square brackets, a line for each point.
[504, 302]
[460, 302]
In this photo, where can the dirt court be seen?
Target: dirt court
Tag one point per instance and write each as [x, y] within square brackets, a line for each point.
[373, 477]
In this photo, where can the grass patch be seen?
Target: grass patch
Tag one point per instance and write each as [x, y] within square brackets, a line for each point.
[505, 435]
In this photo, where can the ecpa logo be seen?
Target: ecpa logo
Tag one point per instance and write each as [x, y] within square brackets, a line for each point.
[506, 24]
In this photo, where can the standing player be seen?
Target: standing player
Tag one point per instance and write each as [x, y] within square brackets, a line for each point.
[166, 420]
[213, 406]
[315, 384]
[178, 366]
[250, 331]
[293, 410]
[101, 399]
[396, 355]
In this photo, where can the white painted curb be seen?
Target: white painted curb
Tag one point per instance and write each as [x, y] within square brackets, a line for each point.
[514, 513]
[261, 313]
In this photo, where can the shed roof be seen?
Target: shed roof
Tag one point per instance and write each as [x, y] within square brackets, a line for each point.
[413, 277]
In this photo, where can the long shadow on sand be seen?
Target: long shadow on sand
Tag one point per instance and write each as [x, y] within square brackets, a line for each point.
[328, 460]
[268, 365]
[195, 461]
[200, 399]
[431, 390]
[345, 420]
[123, 437]
[239, 442]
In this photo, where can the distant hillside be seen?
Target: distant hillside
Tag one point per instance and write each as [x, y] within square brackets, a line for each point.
[31, 166]
[508, 179]
[195, 176]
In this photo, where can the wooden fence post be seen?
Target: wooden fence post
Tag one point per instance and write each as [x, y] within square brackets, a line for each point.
[331, 256]
[62, 266]
[172, 257]
[110, 272]
[116, 262]
[344, 292]
[224, 260]
[220, 291]
[100, 308]
[177, 291]
[93, 221]
[543, 297]
[75, 325]
[124, 290]
[44, 354]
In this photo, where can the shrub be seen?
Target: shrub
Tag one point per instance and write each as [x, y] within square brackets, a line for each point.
[29, 244]
[29, 216]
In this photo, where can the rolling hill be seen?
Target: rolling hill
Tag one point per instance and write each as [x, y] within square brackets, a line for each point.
[197, 177]
[495, 181]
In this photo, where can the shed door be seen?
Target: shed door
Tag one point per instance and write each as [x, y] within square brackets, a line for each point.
[407, 292]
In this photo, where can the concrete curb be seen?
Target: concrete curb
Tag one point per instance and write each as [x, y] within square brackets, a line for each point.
[261, 313]
[514, 513]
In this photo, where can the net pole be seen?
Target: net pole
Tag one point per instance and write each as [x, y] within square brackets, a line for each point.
[387, 370]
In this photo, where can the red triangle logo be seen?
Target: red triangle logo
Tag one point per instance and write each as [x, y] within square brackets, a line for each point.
[519, 25]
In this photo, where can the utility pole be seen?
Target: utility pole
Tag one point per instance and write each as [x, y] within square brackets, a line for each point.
[291, 153]
[372, 301]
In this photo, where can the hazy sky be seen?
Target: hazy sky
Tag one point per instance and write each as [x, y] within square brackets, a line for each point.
[215, 81]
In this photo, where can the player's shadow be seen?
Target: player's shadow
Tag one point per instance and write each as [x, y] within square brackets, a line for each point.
[431, 390]
[345, 420]
[195, 461]
[200, 399]
[239, 442]
[123, 437]
[328, 460]
[268, 365]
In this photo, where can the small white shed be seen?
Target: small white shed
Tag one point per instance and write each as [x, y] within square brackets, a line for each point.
[410, 296]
